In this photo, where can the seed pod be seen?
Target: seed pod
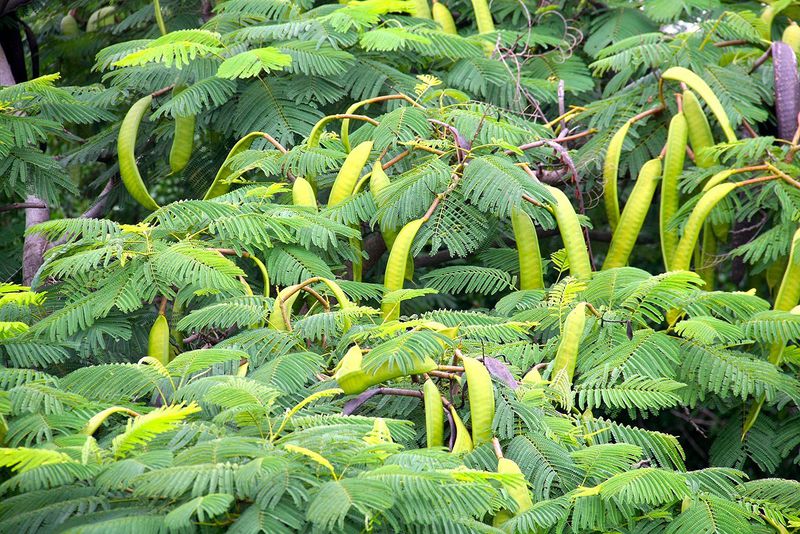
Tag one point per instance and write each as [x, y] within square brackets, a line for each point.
[694, 81]
[481, 400]
[303, 193]
[126, 153]
[345, 181]
[519, 492]
[378, 181]
[571, 234]
[158, 340]
[483, 16]
[434, 414]
[530, 259]
[69, 26]
[396, 265]
[443, 17]
[700, 136]
[101, 18]
[276, 320]
[670, 195]
[220, 185]
[567, 353]
[354, 380]
[691, 231]
[379, 433]
[787, 89]
[791, 36]
[633, 216]
[463, 443]
[183, 141]
[611, 173]
[421, 9]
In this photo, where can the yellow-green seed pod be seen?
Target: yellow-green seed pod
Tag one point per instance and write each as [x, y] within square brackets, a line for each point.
[569, 227]
[443, 17]
[101, 18]
[303, 193]
[700, 136]
[530, 258]
[791, 36]
[421, 9]
[670, 194]
[69, 26]
[276, 320]
[567, 354]
[221, 185]
[691, 231]
[354, 380]
[519, 492]
[633, 216]
[481, 400]
[699, 86]
[434, 414]
[183, 141]
[348, 176]
[396, 266]
[611, 175]
[463, 442]
[158, 340]
[126, 152]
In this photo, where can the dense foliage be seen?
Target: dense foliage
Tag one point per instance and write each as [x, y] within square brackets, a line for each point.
[293, 266]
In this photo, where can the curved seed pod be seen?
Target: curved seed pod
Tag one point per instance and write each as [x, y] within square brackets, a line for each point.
[633, 216]
[443, 17]
[220, 185]
[158, 340]
[791, 36]
[434, 414]
[571, 234]
[421, 9]
[183, 141]
[700, 135]
[530, 259]
[691, 231]
[126, 152]
[463, 443]
[276, 320]
[610, 175]
[481, 400]
[694, 81]
[353, 379]
[396, 266]
[303, 193]
[100, 417]
[101, 18]
[787, 89]
[567, 353]
[787, 298]
[348, 175]
[718, 179]
[378, 181]
[670, 196]
[519, 492]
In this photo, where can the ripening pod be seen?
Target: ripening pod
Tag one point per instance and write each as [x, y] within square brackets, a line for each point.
[791, 36]
[519, 492]
[158, 341]
[379, 434]
[69, 26]
[101, 18]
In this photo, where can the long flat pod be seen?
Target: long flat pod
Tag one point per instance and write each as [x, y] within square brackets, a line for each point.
[126, 152]
[633, 216]
[158, 340]
[346, 179]
[481, 400]
[303, 193]
[183, 140]
[396, 265]
[530, 258]
[443, 17]
[670, 195]
[700, 136]
[220, 185]
[422, 9]
[611, 175]
[681, 261]
[567, 353]
[787, 89]
[571, 234]
[681, 74]
[434, 414]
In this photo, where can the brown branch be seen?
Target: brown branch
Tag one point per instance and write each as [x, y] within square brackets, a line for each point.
[22, 206]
